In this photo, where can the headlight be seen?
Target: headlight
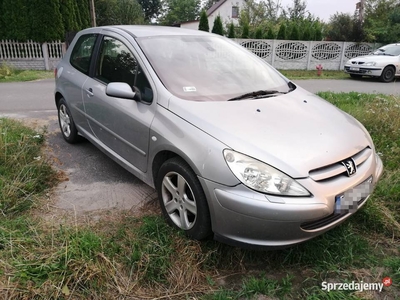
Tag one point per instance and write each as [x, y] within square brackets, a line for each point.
[370, 63]
[262, 177]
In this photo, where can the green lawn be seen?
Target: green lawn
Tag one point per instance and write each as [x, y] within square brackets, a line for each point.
[8, 74]
[140, 256]
[312, 74]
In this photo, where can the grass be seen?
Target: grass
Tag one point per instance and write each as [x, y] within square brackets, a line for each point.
[24, 173]
[141, 257]
[312, 74]
[8, 74]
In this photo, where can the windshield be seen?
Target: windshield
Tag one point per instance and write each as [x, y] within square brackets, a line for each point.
[391, 50]
[208, 68]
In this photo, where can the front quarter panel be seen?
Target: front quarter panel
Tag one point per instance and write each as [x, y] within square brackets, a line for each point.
[201, 151]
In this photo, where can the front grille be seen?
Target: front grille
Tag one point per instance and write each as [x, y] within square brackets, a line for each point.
[337, 168]
[317, 224]
[361, 71]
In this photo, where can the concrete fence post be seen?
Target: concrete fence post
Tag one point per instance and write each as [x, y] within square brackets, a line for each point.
[343, 57]
[46, 56]
[310, 45]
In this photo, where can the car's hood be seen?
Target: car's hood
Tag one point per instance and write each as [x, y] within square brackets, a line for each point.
[375, 58]
[295, 133]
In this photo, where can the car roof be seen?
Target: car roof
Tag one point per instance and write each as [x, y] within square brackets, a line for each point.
[153, 30]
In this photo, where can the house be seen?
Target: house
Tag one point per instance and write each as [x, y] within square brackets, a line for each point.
[228, 10]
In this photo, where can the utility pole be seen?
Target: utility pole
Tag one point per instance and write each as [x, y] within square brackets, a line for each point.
[92, 13]
[360, 6]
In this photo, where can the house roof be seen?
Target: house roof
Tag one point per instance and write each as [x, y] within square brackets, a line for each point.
[215, 7]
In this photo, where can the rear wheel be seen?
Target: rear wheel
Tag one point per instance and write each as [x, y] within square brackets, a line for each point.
[182, 199]
[388, 74]
[66, 122]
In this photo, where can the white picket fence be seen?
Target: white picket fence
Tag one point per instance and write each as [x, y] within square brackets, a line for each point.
[31, 55]
[295, 55]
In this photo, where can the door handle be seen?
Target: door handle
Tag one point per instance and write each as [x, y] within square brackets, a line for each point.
[90, 92]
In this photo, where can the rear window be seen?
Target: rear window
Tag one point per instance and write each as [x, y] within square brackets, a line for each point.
[82, 52]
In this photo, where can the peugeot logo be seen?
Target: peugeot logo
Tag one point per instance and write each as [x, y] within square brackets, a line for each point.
[350, 166]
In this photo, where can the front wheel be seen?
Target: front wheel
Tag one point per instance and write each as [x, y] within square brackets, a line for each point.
[182, 199]
[388, 74]
[67, 125]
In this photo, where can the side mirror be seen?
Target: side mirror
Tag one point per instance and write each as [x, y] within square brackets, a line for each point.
[120, 90]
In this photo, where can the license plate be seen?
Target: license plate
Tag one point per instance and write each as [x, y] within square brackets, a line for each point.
[354, 69]
[348, 201]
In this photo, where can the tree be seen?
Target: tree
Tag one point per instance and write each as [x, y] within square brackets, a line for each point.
[270, 34]
[77, 14]
[297, 11]
[68, 15]
[253, 13]
[46, 21]
[282, 32]
[129, 12]
[178, 11]
[340, 27]
[84, 11]
[1, 21]
[259, 33]
[14, 15]
[317, 33]
[357, 33]
[245, 32]
[151, 8]
[217, 27]
[203, 24]
[307, 34]
[208, 4]
[294, 32]
[378, 26]
[273, 9]
[113, 12]
[231, 32]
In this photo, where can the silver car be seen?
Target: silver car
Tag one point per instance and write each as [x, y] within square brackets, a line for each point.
[384, 64]
[234, 149]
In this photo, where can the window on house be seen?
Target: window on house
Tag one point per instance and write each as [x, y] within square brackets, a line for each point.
[235, 12]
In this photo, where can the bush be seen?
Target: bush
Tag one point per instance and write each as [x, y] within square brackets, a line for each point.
[282, 32]
[217, 27]
[245, 32]
[231, 32]
[259, 34]
[203, 24]
[5, 71]
[270, 34]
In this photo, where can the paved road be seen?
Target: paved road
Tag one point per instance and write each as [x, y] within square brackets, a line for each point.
[95, 181]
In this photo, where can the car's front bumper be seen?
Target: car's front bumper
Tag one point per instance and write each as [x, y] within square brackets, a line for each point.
[244, 217]
[364, 71]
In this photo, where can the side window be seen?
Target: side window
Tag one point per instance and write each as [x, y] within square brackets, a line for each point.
[116, 63]
[82, 53]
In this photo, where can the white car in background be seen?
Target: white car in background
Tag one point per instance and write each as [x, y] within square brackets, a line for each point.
[384, 63]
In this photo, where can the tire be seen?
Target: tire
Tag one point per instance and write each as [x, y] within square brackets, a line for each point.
[388, 74]
[66, 122]
[355, 76]
[182, 199]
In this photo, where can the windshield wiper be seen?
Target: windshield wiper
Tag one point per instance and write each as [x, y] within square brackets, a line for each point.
[257, 94]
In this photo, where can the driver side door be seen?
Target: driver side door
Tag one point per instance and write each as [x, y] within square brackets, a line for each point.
[122, 125]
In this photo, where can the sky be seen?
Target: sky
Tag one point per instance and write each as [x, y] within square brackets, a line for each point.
[325, 8]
